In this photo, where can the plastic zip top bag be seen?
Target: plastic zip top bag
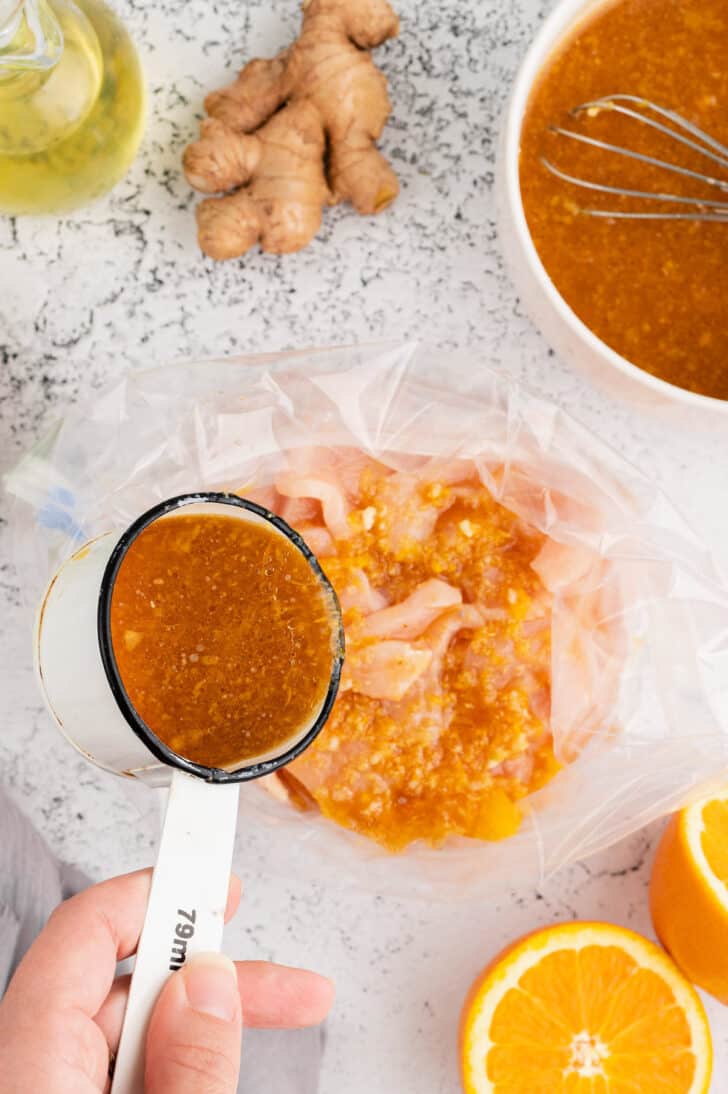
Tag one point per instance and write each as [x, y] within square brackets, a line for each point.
[537, 644]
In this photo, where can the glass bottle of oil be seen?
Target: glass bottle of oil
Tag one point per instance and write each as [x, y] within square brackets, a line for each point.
[71, 103]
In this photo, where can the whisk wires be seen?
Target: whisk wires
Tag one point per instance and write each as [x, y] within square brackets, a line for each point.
[682, 131]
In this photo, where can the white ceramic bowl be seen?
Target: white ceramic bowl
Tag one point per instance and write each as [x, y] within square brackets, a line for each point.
[571, 338]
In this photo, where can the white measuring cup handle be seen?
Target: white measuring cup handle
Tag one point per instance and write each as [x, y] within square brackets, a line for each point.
[185, 913]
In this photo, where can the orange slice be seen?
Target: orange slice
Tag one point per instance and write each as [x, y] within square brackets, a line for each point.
[584, 1008]
[689, 893]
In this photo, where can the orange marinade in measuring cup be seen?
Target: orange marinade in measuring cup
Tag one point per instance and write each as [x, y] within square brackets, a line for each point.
[222, 634]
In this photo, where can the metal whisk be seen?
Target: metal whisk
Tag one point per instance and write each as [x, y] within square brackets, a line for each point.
[680, 130]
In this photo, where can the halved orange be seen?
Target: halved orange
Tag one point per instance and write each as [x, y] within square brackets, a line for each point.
[689, 893]
[584, 1008]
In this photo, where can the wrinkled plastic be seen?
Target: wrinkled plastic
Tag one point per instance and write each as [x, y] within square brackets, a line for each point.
[640, 618]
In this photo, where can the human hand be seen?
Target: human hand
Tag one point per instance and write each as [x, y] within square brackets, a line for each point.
[61, 1016]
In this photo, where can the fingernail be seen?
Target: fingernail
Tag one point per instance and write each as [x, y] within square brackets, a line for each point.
[211, 984]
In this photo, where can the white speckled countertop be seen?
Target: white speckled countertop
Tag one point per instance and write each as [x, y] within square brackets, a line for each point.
[122, 284]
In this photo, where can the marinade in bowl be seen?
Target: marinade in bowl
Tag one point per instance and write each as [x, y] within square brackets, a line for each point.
[653, 290]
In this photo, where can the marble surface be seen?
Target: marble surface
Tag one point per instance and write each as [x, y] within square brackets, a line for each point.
[122, 284]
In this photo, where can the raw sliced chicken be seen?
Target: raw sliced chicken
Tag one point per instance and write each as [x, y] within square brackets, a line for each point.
[407, 509]
[319, 540]
[285, 787]
[412, 616]
[267, 496]
[297, 511]
[448, 472]
[386, 670]
[352, 466]
[358, 595]
[274, 786]
[559, 564]
[439, 636]
[424, 707]
[325, 488]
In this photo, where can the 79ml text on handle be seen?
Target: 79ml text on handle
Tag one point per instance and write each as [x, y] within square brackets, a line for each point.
[183, 932]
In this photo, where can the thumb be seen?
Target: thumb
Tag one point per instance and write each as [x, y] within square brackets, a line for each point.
[193, 1042]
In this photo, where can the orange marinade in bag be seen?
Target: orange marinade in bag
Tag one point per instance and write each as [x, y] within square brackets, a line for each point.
[442, 721]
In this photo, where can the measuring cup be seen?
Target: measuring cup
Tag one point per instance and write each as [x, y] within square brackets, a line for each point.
[83, 691]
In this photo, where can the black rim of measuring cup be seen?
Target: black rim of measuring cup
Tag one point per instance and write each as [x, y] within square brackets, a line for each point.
[142, 730]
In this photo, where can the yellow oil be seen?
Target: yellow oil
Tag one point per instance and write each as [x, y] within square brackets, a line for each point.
[67, 135]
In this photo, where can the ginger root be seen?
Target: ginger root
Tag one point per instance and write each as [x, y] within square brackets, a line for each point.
[295, 133]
